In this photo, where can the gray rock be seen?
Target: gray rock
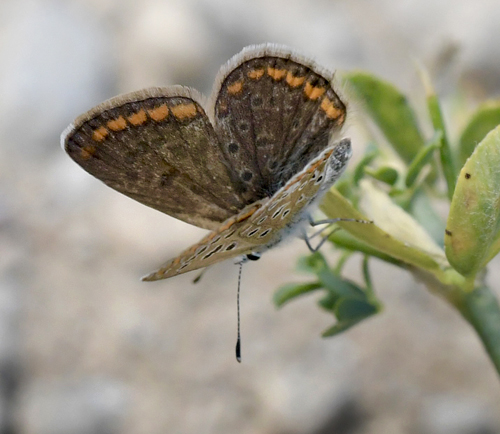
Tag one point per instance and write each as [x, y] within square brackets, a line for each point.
[55, 65]
[448, 414]
[86, 406]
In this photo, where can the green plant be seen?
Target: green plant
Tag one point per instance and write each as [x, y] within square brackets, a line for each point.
[397, 187]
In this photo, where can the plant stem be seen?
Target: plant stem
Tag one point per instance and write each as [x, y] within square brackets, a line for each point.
[482, 310]
[479, 307]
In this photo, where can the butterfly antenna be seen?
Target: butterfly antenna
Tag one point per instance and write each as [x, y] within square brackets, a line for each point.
[238, 340]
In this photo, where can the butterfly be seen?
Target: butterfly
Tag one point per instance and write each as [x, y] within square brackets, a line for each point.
[247, 164]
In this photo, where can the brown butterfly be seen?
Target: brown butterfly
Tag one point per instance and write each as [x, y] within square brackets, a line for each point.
[247, 165]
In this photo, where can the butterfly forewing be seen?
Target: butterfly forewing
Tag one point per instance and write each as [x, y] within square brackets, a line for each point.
[158, 147]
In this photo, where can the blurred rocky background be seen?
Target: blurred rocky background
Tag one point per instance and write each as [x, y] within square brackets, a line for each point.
[86, 348]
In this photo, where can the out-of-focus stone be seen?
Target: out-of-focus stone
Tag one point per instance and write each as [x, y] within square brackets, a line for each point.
[56, 63]
[86, 406]
[449, 414]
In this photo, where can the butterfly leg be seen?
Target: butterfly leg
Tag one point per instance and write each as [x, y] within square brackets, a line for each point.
[335, 220]
[308, 239]
[327, 222]
[200, 275]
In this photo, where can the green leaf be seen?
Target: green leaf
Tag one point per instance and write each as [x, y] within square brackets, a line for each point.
[480, 307]
[359, 171]
[395, 221]
[345, 187]
[473, 227]
[313, 263]
[481, 123]
[386, 174]
[339, 327]
[292, 290]
[339, 286]
[423, 158]
[422, 209]
[390, 110]
[349, 312]
[329, 301]
[351, 309]
[393, 240]
[348, 241]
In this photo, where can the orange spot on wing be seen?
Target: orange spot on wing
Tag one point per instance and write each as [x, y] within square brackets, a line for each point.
[256, 73]
[100, 134]
[314, 167]
[249, 213]
[158, 113]
[277, 74]
[235, 88]
[329, 108]
[87, 152]
[211, 236]
[117, 124]
[226, 226]
[313, 92]
[184, 111]
[294, 81]
[138, 118]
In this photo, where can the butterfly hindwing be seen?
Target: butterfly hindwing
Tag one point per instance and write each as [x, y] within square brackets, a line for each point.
[264, 223]
[219, 245]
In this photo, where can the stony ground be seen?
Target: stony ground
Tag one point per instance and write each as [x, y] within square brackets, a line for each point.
[85, 347]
